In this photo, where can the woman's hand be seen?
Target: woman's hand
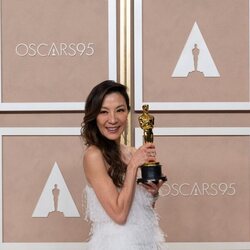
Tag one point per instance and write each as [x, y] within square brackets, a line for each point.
[144, 154]
[153, 188]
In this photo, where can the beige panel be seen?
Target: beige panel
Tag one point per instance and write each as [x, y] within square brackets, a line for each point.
[53, 78]
[52, 119]
[27, 163]
[213, 203]
[199, 119]
[224, 25]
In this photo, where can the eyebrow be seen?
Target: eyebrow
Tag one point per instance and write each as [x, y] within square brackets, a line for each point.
[119, 106]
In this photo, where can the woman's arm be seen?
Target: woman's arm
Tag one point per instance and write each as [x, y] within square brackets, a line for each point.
[116, 204]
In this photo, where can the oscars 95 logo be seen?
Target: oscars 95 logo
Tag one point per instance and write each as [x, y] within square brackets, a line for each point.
[55, 49]
[198, 189]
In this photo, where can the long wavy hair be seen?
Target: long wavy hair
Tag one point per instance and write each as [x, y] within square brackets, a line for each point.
[91, 134]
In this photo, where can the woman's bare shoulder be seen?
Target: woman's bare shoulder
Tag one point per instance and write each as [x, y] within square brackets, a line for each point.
[94, 165]
[93, 159]
[92, 152]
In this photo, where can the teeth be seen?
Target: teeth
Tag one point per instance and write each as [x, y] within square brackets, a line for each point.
[112, 129]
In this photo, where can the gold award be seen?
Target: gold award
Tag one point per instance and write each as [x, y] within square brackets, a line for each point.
[150, 171]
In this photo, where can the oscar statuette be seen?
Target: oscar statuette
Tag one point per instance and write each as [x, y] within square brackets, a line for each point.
[150, 171]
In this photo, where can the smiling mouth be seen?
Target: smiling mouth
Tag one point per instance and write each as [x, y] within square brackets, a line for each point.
[113, 129]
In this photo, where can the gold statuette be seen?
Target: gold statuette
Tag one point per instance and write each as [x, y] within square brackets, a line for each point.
[146, 122]
[150, 171]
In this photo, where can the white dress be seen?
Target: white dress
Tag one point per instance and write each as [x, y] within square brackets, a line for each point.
[140, 232]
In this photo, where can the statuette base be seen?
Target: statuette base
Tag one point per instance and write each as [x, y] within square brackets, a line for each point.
[151, 171]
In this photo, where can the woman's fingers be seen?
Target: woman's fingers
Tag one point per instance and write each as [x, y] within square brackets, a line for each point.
[146, 153]
[151, 187]
[150, 152]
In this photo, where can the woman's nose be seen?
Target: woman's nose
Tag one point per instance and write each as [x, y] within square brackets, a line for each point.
[112, 117]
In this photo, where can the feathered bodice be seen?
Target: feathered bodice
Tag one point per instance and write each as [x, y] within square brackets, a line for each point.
[140, 232]
[142, 201]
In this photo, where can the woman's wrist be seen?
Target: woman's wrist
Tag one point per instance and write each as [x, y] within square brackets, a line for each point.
[155, 196]
[132, 165]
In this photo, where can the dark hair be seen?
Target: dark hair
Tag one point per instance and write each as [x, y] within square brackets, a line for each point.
[91, 134]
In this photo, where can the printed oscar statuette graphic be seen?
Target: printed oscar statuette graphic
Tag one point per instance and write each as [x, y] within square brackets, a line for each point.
[150, 171]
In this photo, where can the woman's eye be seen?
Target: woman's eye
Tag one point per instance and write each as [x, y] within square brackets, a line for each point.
[103, 112]
[121, 110]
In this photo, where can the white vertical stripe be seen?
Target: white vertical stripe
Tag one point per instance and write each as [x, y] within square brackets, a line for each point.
[112, 40]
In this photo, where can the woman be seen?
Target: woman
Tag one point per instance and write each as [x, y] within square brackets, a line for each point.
[120, 210]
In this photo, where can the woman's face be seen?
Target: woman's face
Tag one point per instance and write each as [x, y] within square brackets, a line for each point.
[112, 118]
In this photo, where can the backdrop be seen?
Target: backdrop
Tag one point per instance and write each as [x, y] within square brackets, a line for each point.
[190, 63]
